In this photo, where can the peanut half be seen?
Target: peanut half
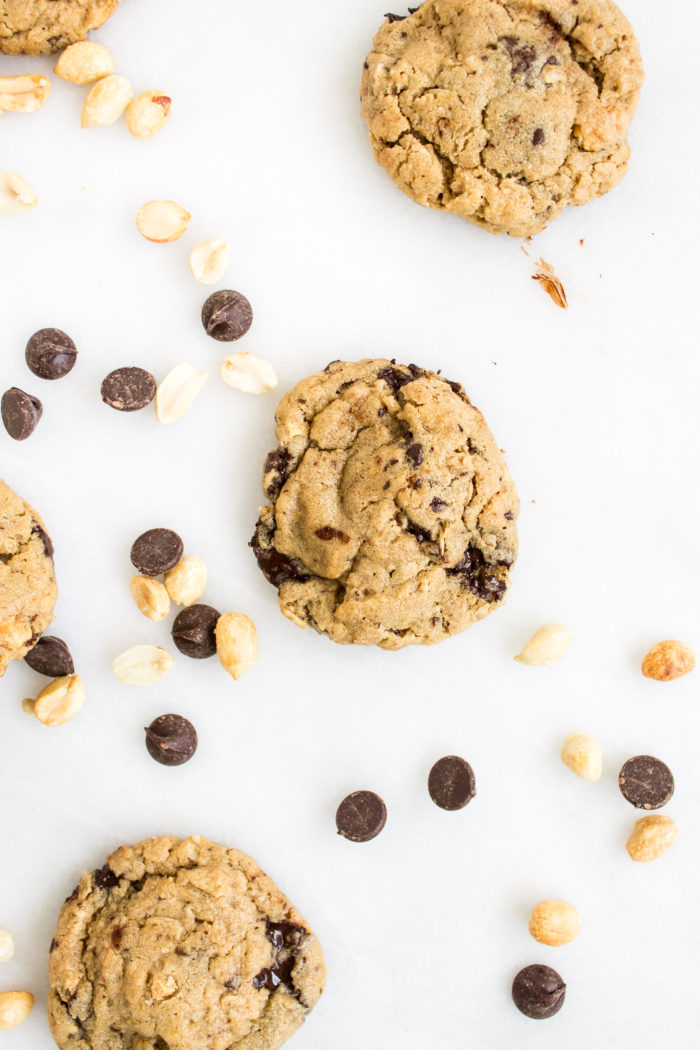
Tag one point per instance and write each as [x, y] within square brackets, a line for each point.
[150, 596]
[583, 756]
[554, 922]
[25, 93]
[16, 194]
[186, 581]
[209, 260]
[236, 643]
[147, 113]
[106, 101]
[162, 221]
[251, 374]
[547, 645]
[651, 837]
[178, 390]
[667, 661]
[7, 946]
[142, 664]
[15, 1007]
[84, 62]
[59, 701]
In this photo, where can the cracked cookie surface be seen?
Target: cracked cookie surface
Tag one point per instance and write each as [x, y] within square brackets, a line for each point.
[40, 27]
[503, 111]
[392, 516]
[180, 944]
[27, 582]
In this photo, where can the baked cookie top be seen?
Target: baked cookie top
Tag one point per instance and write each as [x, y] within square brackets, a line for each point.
[40, 27]
[180, 944]
[27, 582]
[392, 516]
[503, 111]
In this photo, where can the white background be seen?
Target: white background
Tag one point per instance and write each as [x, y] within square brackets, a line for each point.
[596, 407]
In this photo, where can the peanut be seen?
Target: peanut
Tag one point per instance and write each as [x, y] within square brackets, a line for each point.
[548, 644]
[554, 922]
[668, 660]
[651, 837]
[150, 596]
[84, 62]
[60, 700]
[236, 643]
[582, 754]
[15, 1007]
[186, 581]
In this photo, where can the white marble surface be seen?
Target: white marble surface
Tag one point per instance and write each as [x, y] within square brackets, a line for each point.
[596, 408]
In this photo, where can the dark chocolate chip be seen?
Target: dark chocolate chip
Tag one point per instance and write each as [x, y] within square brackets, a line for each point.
[521, 55]
[394, 377]
[45, 539]
[646, 782]
[20, 413]
[382, 411]
[538, 991]
[437, 504]
[275, 567]
[415, 454]
[104, 877]
[50, 656]
[156, 551]
[272, 976]
[451, 783]
[54, 944]
[116, 936]
[480, 578]
[50, 353]
[171, 740]
[227, 315]
[128, 389]
[360, 816]
[552, 61]
[327, 532]
[508, 515]
[277, 464]
[422, 535]
[285, 934]
[194, 631]
[538, 137]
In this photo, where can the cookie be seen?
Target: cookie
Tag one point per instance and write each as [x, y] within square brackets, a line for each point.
[27, 582]
[392, 516]
[503, 111]
[180, 944]
[40, 27]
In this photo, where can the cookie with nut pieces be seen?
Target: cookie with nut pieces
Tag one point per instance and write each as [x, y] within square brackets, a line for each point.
[40, 27]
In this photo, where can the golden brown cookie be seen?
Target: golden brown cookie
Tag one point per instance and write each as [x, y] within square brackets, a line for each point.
[503, 111]
[392, 515]
[180, 944]
[40, 27]
[27, 582]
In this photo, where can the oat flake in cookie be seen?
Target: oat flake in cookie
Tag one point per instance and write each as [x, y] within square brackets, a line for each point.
[503, 111]
[184, 944]
[27, 582]
[40, 27]
[392, 515]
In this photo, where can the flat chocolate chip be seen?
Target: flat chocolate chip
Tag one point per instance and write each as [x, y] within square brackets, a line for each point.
[394, 377]
[272, 976]
[538, 137]
[451, 783]
[171, 740]
[360, 816]
[20, 413]
[478, 576]
[327, 532]
[50, 353]
[194, 631]
[538, 991]
[104, 877]
[156, 551]
[415, 454]
[50, 656]
[646, 782]
[227, 315]
[128, 389]
[437, 504]
[285, 934]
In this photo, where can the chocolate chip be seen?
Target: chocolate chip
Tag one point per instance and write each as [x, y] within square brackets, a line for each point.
[327, 532]
[521, 55]
[646, 782]
[272, 976]
[277, 463]
[171, 739]
[275, 567]
[394, 377]
[553, 60]
[116, 936]
[45, 539]
[360, 816]
[437, 504]
[156, 551]
[194, 631]
[50, 353]
[20, 413]
[421, 534]
[538, 137]
[480, 578]
[128, 389]
[538, 991]
[508, 515]
[104, 877]
[451, 783]
[285, 934]
[50, 656]
[227, 315]
[415, 454]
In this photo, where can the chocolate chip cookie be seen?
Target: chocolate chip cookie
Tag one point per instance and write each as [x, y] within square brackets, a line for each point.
[27, 582]
[180, 944]
[503, 111]
[40, 27]
[392, 515]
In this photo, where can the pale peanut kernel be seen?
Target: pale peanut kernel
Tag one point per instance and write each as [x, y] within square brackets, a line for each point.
[175, 395]
[15, 1007]
[150, 596]
[106, 101]
[16, 194]
[162, 221]
[59, 701]
[554, 922]
[583, 756]
[186, 581]
[209, 260]
[7, 946]
[547, 645]
[651, 837]
[142, 664]
[667, 661]
[24, 93]
[84, 62]
[147, 113]
[246, 372]
[236, 643]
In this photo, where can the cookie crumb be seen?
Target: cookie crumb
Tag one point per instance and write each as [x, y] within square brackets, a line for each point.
[544, 273]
